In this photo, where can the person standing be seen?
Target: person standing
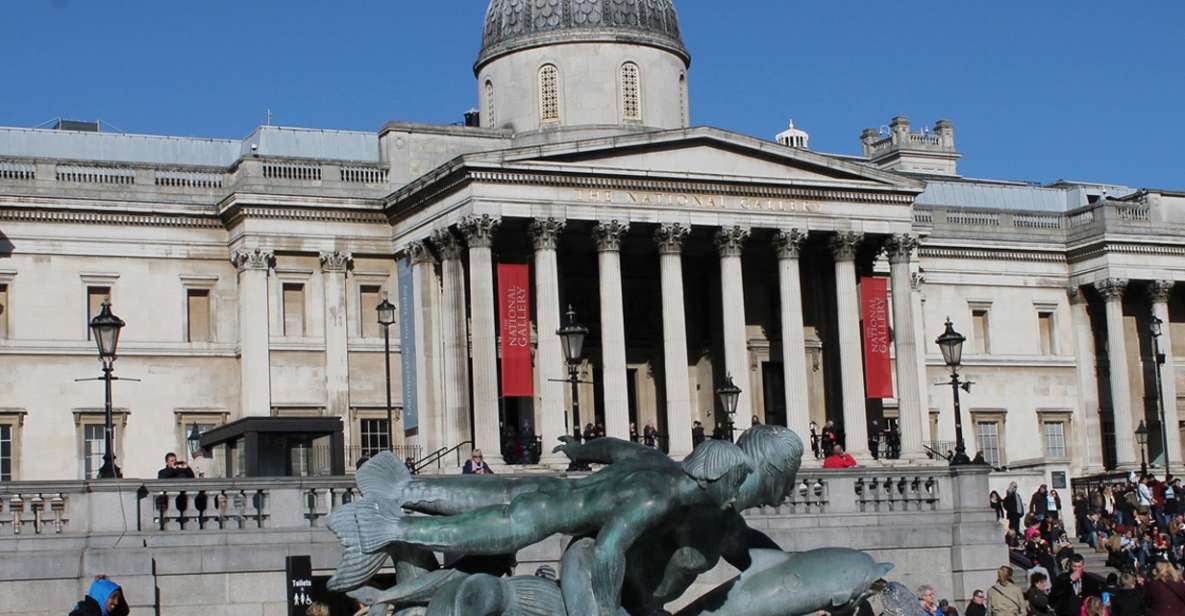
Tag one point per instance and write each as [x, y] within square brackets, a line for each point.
[1129, 599]
[1165, 593]
[1054, 505]
[1005, 598]
[925, 594]
[1014, 507]
[476, 465]
[1072, 589]
[997, 504]
[697, 434]
[977, 606]
[1039, 503]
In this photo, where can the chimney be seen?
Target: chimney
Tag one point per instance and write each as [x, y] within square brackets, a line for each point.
[945, 130]
[473, 118]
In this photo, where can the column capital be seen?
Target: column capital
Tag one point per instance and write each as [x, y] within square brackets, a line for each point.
[337, 262]
[1111, 289]
[730, 241]
[479, 231]
[670, 238]
[608, 234]
[1076, 295]
[788, 243]
[1159, 290]
[446, 243]
[420, 252]
[900, 247]
[845, 245]
[253, 259]
[545, 232]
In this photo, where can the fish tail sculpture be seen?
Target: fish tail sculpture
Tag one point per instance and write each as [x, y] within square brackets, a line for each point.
[379, 479]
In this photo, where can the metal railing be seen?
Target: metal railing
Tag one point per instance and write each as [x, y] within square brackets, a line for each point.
[436, 457]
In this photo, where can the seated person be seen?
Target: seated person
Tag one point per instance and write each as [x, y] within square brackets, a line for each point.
[839, 459]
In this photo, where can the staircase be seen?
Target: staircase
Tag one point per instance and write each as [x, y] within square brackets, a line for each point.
[1096, 562]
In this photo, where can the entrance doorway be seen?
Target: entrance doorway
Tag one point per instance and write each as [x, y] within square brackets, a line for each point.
[774, 378]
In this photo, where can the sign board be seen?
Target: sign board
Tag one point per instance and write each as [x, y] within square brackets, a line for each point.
[300, 584]
[514, 309]
[878, 372]
[407, 344]
[1058, 480]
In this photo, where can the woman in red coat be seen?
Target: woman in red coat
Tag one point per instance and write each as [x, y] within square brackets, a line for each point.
[1165, 593]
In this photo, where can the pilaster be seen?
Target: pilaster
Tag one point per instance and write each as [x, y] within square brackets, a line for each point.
[335, 267]
[1112, 290]
[454, 336]
[254, 338]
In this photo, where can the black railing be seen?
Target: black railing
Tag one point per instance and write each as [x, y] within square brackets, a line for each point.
[440, 454]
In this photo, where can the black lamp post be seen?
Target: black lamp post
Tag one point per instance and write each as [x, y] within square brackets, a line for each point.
[729, 395]
[1156, 328]
[1142, 441]
[105, 329]
[572, 338]
[386, 316]
[951, 345]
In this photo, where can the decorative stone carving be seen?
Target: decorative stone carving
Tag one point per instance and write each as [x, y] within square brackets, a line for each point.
[1111, 289]
[917, 279]
[1077, 296]
[608, 235]
[479, 231]
[545, 232]
[447, 245]
[253, 259]
[420, 252]
[845, 245]
[730, 241]
[900, 247]
[671, 238]
[788, 243]
[1159, 290]
[336, 262]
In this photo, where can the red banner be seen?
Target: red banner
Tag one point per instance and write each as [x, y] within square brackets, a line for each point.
[514, 311]
[874, 309]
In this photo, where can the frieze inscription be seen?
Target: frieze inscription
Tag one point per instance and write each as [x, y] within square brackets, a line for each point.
[693, 200]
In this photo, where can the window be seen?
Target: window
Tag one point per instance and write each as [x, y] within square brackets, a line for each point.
[1045, 331]
[197, 312]
[631, 103]
[979, 324]
[374, 437]
[549, 94]
[987, 438]
[369, 297]
[3, 310]
[683, 109]
[490, 120]
[93, 447]
[1055, 439]
[90, 444]
[293, 309]
[6, 451]
[95, 297]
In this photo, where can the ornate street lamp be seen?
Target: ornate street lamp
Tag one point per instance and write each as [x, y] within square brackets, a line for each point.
[1156, 328]
[105, 330]
[1142, 441]
[951, 345]
[729, 395]
[572, 338]
[386, 314]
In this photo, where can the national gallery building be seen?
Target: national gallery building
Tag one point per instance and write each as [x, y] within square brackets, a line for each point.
[248, 272]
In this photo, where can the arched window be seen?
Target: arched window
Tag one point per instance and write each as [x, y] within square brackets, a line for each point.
[549, 94]
[683, 100]
[631, 97]
[491, 120]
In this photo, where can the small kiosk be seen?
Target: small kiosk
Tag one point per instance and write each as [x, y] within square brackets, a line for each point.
[279, 446]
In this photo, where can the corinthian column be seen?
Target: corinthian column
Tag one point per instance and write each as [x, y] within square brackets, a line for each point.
[255, 371]
[426, 297]
[1090, 441]
[334, 266]
[1121, 397]
[670, 239]
[544, 234]
[855, 418]
[798, 409]
[909, 397]
[479, 234]
[730, 241]
[454, 336]
[617, 417]
[1160, 291]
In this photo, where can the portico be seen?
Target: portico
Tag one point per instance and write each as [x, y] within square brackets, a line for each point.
[685, 277]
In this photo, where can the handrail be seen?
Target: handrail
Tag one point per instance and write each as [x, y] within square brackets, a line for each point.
[436, 456]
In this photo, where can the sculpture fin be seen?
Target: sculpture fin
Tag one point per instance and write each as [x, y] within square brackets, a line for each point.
[382, 476]
[766, 559]
[840, 599]
[419, 590]
[355, 569]
[534, 596]
[373, 528]
[885, 568]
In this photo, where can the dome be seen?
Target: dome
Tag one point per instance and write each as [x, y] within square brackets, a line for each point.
[512, 25]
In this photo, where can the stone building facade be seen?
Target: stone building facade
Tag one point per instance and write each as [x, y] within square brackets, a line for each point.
[248, 272]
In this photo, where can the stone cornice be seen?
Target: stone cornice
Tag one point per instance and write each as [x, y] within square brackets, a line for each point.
[236, 213]
[993, 254]
[1083, 253]
[91, 217]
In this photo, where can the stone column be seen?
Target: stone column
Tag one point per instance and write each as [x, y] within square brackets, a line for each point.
[670, 239]
[617, 418]
[730, 241]
[334, 267]
[1159, 291]
[1090, 439]
[255, 396]
[798, 409]
[855, 417]
[479, 234]
[550, 356]
[909, 397]
[455, 339]
[426, 296]
[1121, 398]
[916, 300]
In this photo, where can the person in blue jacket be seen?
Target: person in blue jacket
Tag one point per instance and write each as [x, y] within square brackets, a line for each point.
[105, 598]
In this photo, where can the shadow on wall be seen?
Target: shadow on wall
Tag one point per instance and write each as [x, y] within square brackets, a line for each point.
[6, 246]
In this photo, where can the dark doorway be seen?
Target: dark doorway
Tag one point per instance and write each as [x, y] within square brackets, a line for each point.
[631, 392]
[773, 376]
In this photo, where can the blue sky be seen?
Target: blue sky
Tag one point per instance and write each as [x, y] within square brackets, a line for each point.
[1090, 90]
